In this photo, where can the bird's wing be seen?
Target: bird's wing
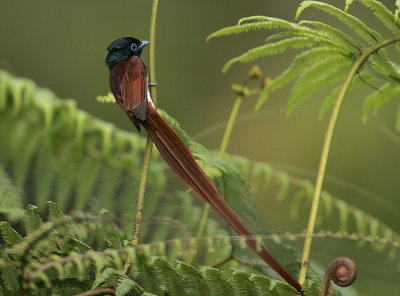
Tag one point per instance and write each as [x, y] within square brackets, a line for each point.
[130, 80]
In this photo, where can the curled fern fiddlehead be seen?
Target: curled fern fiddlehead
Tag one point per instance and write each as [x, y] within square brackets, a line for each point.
[342, 271]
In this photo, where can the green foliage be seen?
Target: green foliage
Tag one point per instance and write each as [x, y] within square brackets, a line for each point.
[329, 54]
[57, 152]
[10, 198]
[61, 264]
[266, 180]
[67, 155]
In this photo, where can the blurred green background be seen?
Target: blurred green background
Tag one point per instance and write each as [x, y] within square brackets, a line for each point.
[62, 46]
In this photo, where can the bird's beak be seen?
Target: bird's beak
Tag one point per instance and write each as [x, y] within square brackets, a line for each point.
[143, 44]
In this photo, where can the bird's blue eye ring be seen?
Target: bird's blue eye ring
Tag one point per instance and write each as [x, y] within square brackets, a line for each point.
[133, 46]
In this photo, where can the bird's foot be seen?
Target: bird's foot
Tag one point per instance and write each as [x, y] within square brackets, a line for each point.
[153, 84]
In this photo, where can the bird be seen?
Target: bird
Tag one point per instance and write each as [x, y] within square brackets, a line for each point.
[130, 87]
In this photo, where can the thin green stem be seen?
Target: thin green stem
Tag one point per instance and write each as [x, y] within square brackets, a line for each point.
[152, 50]
[325, 152]
[149, 142]
[229, 127]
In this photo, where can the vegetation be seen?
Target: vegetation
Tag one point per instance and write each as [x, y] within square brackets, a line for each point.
[69, 181]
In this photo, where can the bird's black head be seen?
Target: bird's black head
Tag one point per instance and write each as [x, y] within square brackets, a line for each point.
[122, 49]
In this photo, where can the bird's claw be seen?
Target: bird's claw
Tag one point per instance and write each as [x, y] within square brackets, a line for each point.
[153, 84]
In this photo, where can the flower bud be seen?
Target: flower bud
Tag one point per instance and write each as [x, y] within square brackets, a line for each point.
[255, 72]
[265, 82]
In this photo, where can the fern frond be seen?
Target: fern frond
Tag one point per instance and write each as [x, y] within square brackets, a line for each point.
[335, 34]
[383, 14]
[114, 278]
[244, 285]
[262, 23]
[147, 276]
[383, 67]
[397, 11]
[301, 190]
[297, 67]
[127, 287]
[217, 282]
[170, 277]
[194, 278]
[111, 237]
[9, 274]
[375, 100]
[269, 49]
[10, 198]
[256, 18]
[243, 29]
[316, 77]
[359, 81]
[369, 35]
[8, 234]
[69, 147]
[108, 98]
[32, 220]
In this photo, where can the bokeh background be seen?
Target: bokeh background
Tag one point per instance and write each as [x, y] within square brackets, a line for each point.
[62, 45]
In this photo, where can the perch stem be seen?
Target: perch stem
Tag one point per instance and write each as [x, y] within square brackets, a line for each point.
[149, 142]
[325, 152]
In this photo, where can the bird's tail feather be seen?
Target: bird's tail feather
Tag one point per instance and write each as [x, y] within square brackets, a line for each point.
[182, 162]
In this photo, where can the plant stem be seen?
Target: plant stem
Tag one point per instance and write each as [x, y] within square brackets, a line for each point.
[222, 150]
[152, 50]
[229, 127]
[149, 142]
[325, 153]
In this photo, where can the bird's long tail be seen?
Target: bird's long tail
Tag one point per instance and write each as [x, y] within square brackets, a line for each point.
[182, 162]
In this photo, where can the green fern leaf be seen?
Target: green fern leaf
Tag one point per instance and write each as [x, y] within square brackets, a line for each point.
[10, 198]
[194, 278]
[146, 275]
[88, 173]
[170, 277]
[358, 81]
[283, 186]
[243, 284]
[272, 287]
[383, 14]
[243, 28]
[54, 211]
[32, 220]
[345, 40]
[269, 49]
[217, 283]
[352, 22]
[281, 35]
[9, 274]
[22, 154]
[65, 177]
[316, 77]
[298, 66]
[44, 180]
[127, 287]
[8, 234]
[375, 100]
[248, 19]
[107, 187]
[347, 4]
[109, 232]
[106, 279]
[263, 23]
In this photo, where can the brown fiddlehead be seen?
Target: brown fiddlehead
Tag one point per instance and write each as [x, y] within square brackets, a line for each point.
[342, 271]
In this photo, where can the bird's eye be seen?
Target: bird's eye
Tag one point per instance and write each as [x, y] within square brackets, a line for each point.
[134, 47]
